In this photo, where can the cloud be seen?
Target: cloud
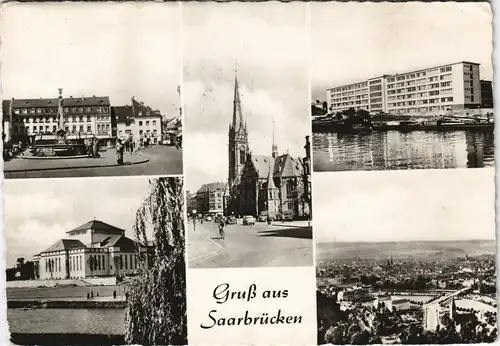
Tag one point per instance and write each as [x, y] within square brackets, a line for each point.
[38, 212]
[136, 54]
[412, 205]
[269, 48]
[385, 38]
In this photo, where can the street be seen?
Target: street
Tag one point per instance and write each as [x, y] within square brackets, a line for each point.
[157, 160]
[261, 245]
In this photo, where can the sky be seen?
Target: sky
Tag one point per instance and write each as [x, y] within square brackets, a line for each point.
[452, 204]
[386, 38]
[268, 45]
[38, 212]
[102, 49]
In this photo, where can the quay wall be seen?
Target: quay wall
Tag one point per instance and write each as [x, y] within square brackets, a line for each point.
[66, 304]
[106, 281]
[70, 339]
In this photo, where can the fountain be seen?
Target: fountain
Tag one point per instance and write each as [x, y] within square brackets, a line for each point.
[59, 146]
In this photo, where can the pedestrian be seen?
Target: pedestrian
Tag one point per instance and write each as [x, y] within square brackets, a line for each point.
[114, 294]
[96, 148]
[268, 219]
[97, 293]
[88, 295]
[194, 223]
[119, 151]
[91, 294]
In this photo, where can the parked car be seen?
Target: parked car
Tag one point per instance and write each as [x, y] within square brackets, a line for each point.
[208, 218]
[231, 220]
[262, 216]
[287, 216]
[248, 220]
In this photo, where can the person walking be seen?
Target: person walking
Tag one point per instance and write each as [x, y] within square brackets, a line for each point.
[119, 151]
[96, 148]
[114, 294]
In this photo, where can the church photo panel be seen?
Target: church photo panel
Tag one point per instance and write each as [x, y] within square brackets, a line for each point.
[247, 143]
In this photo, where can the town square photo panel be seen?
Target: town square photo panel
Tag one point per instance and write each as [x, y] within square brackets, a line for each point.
[83, 107]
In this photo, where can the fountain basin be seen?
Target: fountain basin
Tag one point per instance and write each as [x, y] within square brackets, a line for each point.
[57, 151]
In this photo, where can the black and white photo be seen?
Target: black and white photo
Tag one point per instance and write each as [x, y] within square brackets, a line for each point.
[247, 153]
[406, 257]
[91, 261]
[103, 99]
[401, 86]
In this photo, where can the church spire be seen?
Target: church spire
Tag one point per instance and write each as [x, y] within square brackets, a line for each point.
[270, 176]
[237, 114]
[274, 146]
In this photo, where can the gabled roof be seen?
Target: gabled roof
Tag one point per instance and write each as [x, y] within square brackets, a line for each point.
[124, 114]
[65, 244]
[284, 166]
[97, 225]
[287, 166]
[120, 241]
[141, 110]
[53, 102]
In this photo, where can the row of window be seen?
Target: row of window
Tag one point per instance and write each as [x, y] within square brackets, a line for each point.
[53, 110]
[79, 119]
[155, 132]
[420, 102]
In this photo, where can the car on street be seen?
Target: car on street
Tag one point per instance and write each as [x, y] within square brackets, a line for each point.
[248, 220]
[287, 216]
[263, 216]
[231, 220]
[208, 218]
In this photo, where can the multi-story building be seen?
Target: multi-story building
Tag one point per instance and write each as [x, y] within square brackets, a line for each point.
[486, 94]
[435, 90]
[138, 122]
[191, 203]
[83, 117]
[94, 249]
[210, 198]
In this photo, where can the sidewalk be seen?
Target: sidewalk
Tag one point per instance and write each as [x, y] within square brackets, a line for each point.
[107, 159]
[300, 223]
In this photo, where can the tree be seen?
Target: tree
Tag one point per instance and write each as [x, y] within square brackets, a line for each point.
[156, 297]
[20, 262]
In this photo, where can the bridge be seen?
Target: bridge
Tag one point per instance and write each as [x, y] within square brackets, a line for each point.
[432, 309]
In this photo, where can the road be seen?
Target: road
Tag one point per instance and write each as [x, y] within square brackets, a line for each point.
[261, 245]
[162, 160]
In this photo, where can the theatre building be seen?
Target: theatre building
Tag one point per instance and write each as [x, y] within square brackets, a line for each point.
[94, 249]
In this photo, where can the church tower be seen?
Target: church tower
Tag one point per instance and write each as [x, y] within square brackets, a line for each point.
[238, 139]
[272, 197]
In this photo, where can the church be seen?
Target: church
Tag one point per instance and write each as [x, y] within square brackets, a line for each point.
[261, 183]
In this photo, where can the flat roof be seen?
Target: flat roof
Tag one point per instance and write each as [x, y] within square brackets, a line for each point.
[404, 73]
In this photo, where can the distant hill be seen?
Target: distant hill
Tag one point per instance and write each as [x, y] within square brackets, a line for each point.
[418, 250]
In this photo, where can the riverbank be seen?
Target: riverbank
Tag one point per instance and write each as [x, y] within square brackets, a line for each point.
[70, 339]
[66, 304]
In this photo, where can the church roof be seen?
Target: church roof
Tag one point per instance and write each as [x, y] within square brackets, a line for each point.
[284, 166]
[97, 225]
[270, 176]
[65, 244]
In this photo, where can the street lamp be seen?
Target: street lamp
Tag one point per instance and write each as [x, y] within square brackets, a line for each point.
[307, 177]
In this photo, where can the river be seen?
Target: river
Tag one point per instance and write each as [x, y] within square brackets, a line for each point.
[393, 150]
[85, 321]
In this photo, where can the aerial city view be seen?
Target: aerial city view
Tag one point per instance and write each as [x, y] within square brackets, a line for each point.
[410, 110]
[248, 152]
[395, 277]
[101, 118]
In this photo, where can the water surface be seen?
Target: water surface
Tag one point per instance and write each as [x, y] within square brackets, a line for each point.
[393, 150]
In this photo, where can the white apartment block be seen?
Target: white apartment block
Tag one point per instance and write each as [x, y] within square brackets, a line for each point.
[433, 90]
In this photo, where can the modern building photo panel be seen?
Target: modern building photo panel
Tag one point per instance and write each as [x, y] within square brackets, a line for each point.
[248, 149]
[419, 266]
[81, 255]
[423, 97]
[90, 106]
